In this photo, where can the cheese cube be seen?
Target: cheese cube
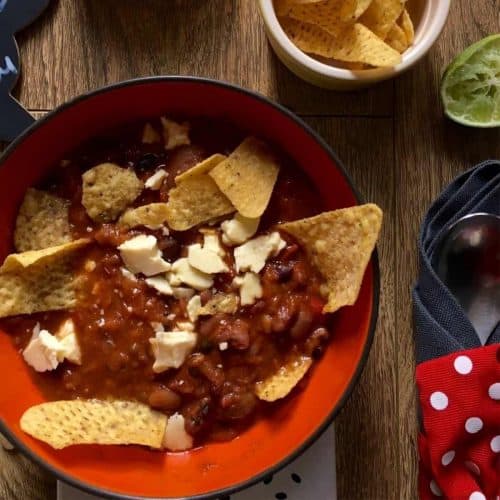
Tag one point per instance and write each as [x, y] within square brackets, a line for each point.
[69, 342]
[181, 292]
[44, 352]
[156, 180]
[193, 308]
[176, 438]
[250, 288]
[160, 284]
[238, 230]
[183, 272]
[252, 255]
[170, 349]
[205, 260]
[142, 255]
[211, 242]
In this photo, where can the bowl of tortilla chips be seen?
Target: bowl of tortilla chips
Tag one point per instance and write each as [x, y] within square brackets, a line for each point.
[351, 44]
[214, 469]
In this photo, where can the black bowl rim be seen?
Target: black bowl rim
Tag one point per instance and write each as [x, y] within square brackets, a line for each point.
[94, 490]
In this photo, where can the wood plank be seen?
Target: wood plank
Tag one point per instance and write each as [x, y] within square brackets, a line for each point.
[367, 441]
[430, 152]
[79, 46]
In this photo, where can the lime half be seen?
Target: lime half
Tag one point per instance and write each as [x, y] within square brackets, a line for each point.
[470, 88]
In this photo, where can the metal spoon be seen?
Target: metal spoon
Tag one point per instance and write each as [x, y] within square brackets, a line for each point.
[468, 262]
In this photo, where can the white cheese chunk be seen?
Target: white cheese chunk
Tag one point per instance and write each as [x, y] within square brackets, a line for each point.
[206, 260]
[223, 346]
[181, 292]
[211, 242]
[183, 272]
[176, 438]
[193, 308]
[127, 274]
[175, 134]
[170, 349]
[250, 288]
[157, 326]
[156, 180]
[44, 352]
[68, 341]
[142, 255]
[185, 326]
[252, 255]
[238, 230]
[160, 284]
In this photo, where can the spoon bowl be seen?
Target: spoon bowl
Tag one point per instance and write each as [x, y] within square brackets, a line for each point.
[467, 260]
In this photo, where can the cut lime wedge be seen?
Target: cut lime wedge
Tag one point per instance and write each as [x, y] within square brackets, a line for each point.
[470, 88]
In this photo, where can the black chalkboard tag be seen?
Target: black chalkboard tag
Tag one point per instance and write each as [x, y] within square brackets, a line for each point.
[14, 16]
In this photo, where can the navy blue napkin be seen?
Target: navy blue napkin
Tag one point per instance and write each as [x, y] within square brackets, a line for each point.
[441, 326]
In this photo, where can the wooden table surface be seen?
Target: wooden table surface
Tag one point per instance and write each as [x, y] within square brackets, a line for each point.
[393, 138]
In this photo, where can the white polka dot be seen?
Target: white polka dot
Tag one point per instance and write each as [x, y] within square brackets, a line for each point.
[473, 425]
[494, 391]
[472, 467]
[439, 400]
[477, 495]
[435, 489]
[495, 444]
[447, 458]
[463, 365]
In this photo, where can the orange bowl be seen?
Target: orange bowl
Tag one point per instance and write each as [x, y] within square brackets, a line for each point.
[272, 442]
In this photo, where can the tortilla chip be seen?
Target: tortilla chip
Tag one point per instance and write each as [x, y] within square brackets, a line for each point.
[325, 14]
[108, 190]
[152, 216]
[382, 15]
[356, 43]
[339, 244]
[396, 38]
[220, 303]
[150, 135]
[39, 280]
[247, 177]
[280, 384]
[42, 221]
[194, 201]
[175, 134]
[65, 423]
[201, 168]
[407, 26]
[351, 10]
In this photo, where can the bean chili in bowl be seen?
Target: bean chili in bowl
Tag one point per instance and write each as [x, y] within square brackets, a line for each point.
[175, 278]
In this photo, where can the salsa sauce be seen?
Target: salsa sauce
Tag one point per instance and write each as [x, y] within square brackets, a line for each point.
[115, 316]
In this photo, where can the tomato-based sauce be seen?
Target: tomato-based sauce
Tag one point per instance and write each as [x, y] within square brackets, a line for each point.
[116, 316]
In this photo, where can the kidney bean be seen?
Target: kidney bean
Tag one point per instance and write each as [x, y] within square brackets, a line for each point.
[195, 415]
[163, 398]
[237, 333]
[207, 368]
[302, 324]
[238, 404]
[314, 344]
[299, 274]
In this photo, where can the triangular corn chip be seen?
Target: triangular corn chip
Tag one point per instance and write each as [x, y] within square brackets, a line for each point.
[247, 177]
[39, 280]
[340, 244]
[42, 221]
[280, 384]
[65, 423]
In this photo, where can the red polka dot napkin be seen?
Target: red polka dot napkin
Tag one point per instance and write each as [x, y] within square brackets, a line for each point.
[460, 440]
[458, 378]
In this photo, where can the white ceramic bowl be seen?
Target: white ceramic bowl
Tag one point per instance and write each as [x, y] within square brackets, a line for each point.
[429, 18]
